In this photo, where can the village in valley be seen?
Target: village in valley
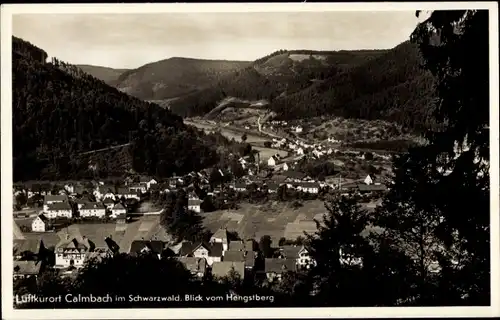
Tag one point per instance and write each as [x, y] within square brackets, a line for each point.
[218, 160]
[63, 225]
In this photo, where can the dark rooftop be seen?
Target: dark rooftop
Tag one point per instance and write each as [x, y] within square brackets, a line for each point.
[214, 249]
[279, 265]
[26, 245]
[92, 206]
[193, 264]
[372, 187]
[236, 245]
[59, 206]
[27, 267]
[56, 197]
[155, 246]
[234, 256]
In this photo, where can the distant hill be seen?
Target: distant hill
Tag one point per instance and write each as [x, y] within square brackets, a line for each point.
[174, 77]
[369, 84]
[280, 73]
[391, 87]
[61, 112]
[108, 75]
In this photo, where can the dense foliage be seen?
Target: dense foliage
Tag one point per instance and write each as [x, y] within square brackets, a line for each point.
[398, 145]
[179, 221]
[317, 169]
[350, 269]
[108, 75]
[435, 183]
[390, 87]
[59, 112]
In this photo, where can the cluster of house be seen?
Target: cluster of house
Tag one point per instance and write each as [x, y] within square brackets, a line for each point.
[107, 197]
[278, 123]
[293, 128]
[299, 181]
[299, 147]
[367, 186]
[64, 206]
[220, 256]
[109, 201]
[30, 255]
[291, 179]
[27, 258]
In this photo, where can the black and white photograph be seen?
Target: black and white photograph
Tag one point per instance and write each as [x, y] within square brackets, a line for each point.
[319, 159]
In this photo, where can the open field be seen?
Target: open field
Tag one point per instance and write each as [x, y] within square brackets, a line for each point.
[227, 132]
[147, 206]
[265, 153]
[276, 219]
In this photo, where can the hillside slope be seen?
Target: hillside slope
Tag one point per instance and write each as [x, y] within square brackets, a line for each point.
[174, 77]
[280, 73]
[385, 84]
[391, 87]
[60, 112]
[108, 75]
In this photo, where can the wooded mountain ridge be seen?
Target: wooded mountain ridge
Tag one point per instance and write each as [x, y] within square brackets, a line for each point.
[108, 75]
[385, 84]
[59, 112]
[173, 77]
[369, 84]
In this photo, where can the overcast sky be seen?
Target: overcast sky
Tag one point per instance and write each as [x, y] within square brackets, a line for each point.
[132, 40]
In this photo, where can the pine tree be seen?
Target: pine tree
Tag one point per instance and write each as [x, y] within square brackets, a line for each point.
[436, 184]
[336, 246]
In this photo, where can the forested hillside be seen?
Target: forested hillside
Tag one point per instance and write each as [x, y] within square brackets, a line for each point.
[280, 73]
[383, 84]
[59, 112]
[392, 87]
[174, 77]
[108, 75]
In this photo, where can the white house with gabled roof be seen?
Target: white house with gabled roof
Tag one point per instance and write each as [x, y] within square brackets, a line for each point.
[40, 224]
[59, 209]
[148, 181]
[93, 209]
[52, 199]
[271, 161]
[118, 210]
[368, 180]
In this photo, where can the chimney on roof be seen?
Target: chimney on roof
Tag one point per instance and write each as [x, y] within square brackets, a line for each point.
[67, 236]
